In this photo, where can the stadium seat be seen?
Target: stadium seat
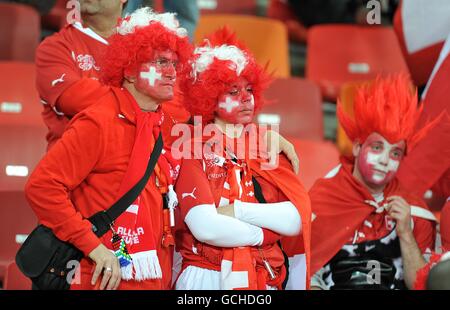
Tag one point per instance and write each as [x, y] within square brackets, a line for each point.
[21, 149]
[346, 97]
[19, 100]
[296, 105]
[266, 38]
[20, 32]
[17, 220]
[317, 158]
[248, 7]
[15, 280]
[22, 131]
[338, 54]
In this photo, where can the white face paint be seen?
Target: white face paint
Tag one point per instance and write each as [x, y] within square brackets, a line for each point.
[252, 101]
[229, 104]
[152, 75]
[378, 160]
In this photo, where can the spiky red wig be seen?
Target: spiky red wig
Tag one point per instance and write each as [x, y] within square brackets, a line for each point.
[137, 44]
[202, 89]
[389, 107]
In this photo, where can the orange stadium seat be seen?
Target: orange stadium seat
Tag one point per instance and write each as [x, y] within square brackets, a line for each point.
[339, 54]
[266, 38]
[15, 280]
[228, 7]
[317, 158]
[20, 32]
[296, 105]
[17, 220]
[22, 131]
[347, 95]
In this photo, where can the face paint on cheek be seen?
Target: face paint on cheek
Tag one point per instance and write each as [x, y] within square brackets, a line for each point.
[229, 105]
[373, 171]
[150, 76]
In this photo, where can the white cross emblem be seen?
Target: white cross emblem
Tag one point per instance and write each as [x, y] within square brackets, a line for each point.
[229, 104]
[250, 194]
[151, 75]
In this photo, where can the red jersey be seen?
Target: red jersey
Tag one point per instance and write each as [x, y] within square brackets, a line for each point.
[62, 61]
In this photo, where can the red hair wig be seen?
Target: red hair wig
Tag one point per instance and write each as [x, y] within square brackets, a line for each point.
[125, 53]
[389, 107]
[201, 91]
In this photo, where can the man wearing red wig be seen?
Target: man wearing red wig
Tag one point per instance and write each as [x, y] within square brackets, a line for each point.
[367, 232]
[105, 152]
[228, 237]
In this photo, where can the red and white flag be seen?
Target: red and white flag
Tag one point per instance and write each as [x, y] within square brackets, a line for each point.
[422, 27]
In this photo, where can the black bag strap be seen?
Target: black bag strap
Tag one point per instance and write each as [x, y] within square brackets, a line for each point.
[102, 220]
[260, 197]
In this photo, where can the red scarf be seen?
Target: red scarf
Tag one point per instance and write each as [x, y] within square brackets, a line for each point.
[135, 225]
[340, 204]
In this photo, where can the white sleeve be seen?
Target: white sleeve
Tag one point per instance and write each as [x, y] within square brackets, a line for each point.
[220, 230]
[281, 217]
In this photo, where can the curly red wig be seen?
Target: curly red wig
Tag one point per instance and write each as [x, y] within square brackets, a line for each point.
[201, 91]
[389, 107]
[126, 53]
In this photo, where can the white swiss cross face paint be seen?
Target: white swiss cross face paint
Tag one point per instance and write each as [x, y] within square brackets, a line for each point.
[378, 160]
[157, 77]
[237, 104]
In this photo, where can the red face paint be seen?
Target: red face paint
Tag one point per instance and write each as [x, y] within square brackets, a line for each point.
[378, 160]
[237, 104]
[156, 78]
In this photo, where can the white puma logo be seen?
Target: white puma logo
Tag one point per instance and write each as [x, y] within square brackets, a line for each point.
[60, 80]
[184, 195]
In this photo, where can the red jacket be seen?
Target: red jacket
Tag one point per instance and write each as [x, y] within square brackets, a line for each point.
[81, 175]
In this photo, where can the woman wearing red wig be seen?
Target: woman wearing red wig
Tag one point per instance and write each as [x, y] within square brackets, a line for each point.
[105, 152]
[367, 232]
[228, 237]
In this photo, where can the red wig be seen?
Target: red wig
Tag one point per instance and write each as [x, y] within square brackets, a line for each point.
[130, 49]
[389, 107]
[202, 89]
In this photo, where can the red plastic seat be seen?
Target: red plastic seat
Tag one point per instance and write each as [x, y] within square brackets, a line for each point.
[228, 7]
[338, 54]
[15, 280]
[317, 158]
[17, 220]
[297, 105]
[22, 131]
[19, 100]
[20, 32]
[21, 149]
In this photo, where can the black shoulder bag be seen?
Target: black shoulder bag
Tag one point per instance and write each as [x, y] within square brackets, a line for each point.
[49, 262]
